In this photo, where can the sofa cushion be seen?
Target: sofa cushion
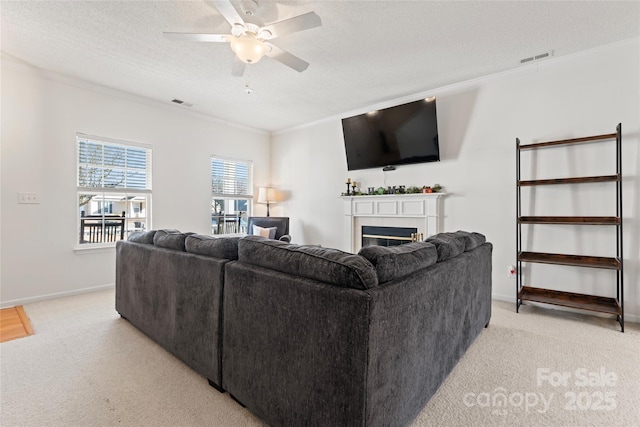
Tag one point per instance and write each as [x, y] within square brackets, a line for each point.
[217, 247]
[448, 245]
[471, 239]
[170, 239]
[395, 262]
[326, 265]
[142, 237]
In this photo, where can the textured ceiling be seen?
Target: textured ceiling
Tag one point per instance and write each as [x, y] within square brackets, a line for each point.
[365, 53]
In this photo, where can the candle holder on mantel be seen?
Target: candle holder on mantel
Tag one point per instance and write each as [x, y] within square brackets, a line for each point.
[353, 186]
[348, 184]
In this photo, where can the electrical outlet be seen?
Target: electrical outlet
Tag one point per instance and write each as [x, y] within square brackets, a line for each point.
[511, 271]
[28, 198]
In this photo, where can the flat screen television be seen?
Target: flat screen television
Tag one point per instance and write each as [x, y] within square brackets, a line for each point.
[403, 134]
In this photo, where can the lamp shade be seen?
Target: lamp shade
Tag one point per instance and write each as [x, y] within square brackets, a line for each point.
[267, 195]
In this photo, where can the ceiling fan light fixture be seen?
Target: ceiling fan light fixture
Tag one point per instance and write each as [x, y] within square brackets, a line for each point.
[248, 48]
[250, 39]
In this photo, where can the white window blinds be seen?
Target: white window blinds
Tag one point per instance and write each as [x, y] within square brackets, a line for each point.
[104, 164]
[231, 178]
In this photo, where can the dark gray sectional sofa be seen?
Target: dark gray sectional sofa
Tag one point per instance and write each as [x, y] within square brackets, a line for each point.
[306, 335]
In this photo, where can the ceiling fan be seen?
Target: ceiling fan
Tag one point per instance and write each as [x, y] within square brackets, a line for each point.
[250, 41]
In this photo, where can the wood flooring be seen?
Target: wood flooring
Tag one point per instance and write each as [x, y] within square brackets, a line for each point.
[14, 324]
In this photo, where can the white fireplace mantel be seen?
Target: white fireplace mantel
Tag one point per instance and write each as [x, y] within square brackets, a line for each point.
[422, 211]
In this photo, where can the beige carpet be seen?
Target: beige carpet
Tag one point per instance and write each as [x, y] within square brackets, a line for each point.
[85, 366]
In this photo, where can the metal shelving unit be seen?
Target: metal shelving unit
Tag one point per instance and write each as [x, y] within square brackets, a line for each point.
[601, 304]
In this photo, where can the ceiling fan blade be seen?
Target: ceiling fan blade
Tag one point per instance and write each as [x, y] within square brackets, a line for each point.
[229, 12]
[193, 37]
[238, 67]
[287, 58]
[292, 25]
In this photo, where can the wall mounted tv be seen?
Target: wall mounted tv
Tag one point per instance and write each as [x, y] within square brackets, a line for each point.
[403, 134]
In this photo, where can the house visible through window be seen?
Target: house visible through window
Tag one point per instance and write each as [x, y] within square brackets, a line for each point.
[231, 195]
[114, 189]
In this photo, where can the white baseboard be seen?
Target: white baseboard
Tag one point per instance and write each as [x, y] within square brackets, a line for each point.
[633, 318]
[29, 300]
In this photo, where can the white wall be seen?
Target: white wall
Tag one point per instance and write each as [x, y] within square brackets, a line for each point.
[41, 113]
[585, 94]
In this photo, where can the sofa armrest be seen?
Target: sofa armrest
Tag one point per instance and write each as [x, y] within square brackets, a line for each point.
[420, 327]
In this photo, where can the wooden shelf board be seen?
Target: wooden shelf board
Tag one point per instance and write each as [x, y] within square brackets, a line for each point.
[570, 299]
[580, 220]
[568, 141]
[573, 260]
[578, 180]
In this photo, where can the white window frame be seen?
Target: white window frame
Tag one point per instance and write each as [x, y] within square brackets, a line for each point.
[231, 188]
[137, 192]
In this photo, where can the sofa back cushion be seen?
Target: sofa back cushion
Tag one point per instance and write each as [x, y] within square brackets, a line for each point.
[217, 247]
[471, 239]
[142, 237]
[170, 239]
[452, 244]
[395, 262]
[322, 264]
[448, 245]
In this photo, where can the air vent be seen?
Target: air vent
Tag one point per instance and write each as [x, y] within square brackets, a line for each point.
[537, 57]
[181, 102]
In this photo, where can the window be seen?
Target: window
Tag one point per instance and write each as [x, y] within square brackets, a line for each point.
[114, 189]
[232, 195]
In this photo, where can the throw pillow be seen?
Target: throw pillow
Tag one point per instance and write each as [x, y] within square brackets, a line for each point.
[269, 233]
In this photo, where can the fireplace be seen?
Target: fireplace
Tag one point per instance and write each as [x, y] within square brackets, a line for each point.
[388, 236]
[420, 212]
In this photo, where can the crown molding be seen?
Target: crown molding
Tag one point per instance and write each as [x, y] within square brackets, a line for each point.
[19, 65]
[472, 83]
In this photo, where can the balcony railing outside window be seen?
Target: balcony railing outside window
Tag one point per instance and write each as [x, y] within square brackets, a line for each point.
[114, 189]
[232, 195]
